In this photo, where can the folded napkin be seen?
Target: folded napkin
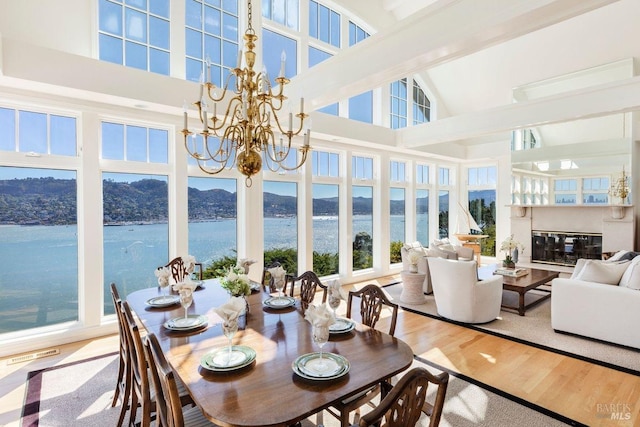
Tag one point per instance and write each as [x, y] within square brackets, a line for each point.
[189, 263]
[230, 310]
[334, 289]
[187, 283]
[163, 274]
[319, 316]
[277, 272]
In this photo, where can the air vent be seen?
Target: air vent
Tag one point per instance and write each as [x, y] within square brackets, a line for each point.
[33, 356]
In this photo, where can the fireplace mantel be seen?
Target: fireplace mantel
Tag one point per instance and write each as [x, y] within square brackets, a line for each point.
[615, 223]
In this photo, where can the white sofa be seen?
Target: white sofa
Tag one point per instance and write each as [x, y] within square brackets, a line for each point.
[438, 248]
[458, 293]
[592, 303]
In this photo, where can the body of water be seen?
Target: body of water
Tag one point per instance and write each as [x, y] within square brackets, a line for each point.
[39, 283]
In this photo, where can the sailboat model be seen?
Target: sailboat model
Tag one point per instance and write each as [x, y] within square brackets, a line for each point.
[465, 225]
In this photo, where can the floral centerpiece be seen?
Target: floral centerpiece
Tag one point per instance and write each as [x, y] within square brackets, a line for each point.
[236, 282]
[414, 257]
[509, 245]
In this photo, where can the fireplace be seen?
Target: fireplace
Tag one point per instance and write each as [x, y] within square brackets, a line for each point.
[564, 248]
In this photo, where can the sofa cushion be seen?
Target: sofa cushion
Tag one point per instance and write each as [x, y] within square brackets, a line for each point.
[617, 256]
[608, 273]
[631, 276]
[439, 253]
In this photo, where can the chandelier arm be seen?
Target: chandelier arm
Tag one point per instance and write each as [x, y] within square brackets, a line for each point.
[304, 150]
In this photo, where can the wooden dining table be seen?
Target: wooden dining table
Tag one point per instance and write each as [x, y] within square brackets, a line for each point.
[267, 392]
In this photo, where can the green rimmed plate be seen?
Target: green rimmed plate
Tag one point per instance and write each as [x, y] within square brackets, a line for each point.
[163, 301]
[332, 366]
[193, 321]
[342, 326]
[218, 360]
[279, 302]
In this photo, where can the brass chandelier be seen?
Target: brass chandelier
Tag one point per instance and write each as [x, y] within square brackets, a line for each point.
[244, 136]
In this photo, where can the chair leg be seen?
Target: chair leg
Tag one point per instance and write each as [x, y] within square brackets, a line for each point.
[344, 419]
[119, 383]
[134, 408]
[125, 405]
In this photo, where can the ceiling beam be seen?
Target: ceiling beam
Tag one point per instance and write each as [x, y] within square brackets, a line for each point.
[438, 33]
[610, 98]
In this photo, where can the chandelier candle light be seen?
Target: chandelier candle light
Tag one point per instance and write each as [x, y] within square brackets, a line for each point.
[245, 130]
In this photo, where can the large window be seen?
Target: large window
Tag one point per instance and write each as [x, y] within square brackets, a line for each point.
[595, 191]
[362, 227]
[360, 106]
[565, 191]
[38, 248]
[211, 39]
[274, 46]
[212, 220]
[482, 204]
[135, 34]
[421, 105]
[422, 216]
[316, 56]
[326, 242]
[280, 224]
[397, 219]
[136, 231]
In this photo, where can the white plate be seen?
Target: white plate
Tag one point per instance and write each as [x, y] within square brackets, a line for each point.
[279, 302]
[193, 321]
[241, 356]
[163, 301]
[342, 325]
[310, 367]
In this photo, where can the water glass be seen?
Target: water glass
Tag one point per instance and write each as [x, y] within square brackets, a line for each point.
[186, 299]
[320, 338]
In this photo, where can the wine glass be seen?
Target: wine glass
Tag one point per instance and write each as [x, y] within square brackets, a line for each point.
[334, 303]
[320, 337]
[229, 328]
[278, 282]
[186, 299]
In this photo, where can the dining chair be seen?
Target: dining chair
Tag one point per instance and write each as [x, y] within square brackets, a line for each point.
[309, 284]
[123, 384]
[141, 392]
[404, 404]
[178, 269]
[170, 410]
[373, 301]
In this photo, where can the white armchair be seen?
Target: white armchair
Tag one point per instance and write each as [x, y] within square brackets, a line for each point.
[460, 296]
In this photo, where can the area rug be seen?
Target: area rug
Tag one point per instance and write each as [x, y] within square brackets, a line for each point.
[80, 393]
[74, 394]
[534, 328]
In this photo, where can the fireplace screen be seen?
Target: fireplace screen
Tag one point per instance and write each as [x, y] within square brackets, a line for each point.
[554, 247]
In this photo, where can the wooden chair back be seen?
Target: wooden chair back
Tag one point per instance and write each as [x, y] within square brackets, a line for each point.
[168, 403]
[140, 390]
[372, 301]
[309, 284]
[123, 383]
[407, 400]
[178, 269]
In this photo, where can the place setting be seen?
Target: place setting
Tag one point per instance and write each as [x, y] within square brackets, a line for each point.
[231, 357]
[187, 322]
[165, 299]
[320, 366]
[278, 301]
[341, 325]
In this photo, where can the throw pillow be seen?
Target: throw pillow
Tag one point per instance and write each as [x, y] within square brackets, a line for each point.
[608, 273]
[631, 276]
[580, 263]
[438, 253]
[617, 256]
[629, 256]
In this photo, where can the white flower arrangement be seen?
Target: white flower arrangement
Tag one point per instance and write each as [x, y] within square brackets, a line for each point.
[414, 256]
[236, 282]
[508, 245]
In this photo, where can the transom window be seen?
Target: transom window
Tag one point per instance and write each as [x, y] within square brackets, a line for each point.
[35, 132]
[135, 33]
[422, 174]
[595, 191]
[362, 167]
[324, 24]
[421, 105]
[325, 164]
[285, 12]
[134, 143]
[443, 176]
[398, 171]
[565, 191]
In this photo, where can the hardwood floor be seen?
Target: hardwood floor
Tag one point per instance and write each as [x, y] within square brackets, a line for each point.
[581, 391]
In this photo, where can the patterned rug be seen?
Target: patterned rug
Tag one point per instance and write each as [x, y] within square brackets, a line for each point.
[80, 393]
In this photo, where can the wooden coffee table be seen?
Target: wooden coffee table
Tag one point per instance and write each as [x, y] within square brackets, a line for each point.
[524, 284]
